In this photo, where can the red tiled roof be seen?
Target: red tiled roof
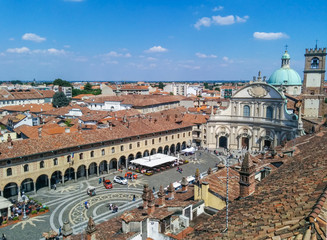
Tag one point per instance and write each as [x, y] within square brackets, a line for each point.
[282, 203]
[34, 108]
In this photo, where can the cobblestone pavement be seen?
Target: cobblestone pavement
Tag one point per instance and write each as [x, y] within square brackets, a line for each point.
[67, 202]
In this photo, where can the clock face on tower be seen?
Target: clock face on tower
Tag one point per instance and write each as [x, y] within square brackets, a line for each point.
[313, 80]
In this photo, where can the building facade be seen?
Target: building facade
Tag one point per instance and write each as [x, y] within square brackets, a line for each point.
[256, 118]
[29, 164]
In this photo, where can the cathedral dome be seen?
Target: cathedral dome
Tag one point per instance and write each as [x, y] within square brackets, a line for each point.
[285, 75]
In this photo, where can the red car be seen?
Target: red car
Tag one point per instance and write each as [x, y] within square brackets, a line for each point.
[107, 184]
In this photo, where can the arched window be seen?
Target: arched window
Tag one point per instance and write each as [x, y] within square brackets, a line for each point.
[246, 111]
[122, 148]
[315, 63]
[9, 172]
[92, 153]
[130, 146]
[68, 158]
[113, 150]
[103, 152]
[270, 112]
[42, 164]
[55, 161]
[81, 156]
[25, 168]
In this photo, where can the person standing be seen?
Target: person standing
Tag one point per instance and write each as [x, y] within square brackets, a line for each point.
[54, 186]
[134, 197]
[59, 230]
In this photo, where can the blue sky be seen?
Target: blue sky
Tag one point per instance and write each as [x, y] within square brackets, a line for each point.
[152, 40]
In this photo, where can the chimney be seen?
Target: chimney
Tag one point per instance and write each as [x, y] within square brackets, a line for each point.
[145, 196]
[247, 180]
[184, 184]
[90, 228]
[171, 191]
[40, 132]
[151, 203]
[197, 175]
[161, 197]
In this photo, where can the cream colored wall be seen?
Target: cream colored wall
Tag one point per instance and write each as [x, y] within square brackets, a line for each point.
[18, 174]
[210, 200]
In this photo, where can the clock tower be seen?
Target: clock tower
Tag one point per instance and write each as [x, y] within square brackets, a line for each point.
[313, 82]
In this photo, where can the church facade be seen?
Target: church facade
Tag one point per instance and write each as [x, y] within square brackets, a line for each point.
[256, 118]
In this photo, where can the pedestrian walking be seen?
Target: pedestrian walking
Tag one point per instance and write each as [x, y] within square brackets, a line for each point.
[54, 186]
[153, 189]
[59, 230]
[4, 237]
[99, 180]
[134, 197]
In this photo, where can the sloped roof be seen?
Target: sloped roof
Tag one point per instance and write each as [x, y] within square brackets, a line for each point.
[282, 203]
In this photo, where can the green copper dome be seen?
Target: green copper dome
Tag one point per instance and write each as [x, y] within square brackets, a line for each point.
[285, 75]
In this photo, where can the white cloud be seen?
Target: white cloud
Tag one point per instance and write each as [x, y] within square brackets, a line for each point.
[115, 54]
[269, 36]
[219, 20]
[151, 59]
[33, 37]
[18, 50]
[55, 51]
[219, 8]
[205, 21]
[156, 49]
[189, 66]
[202, 55]
[242, 20]
[227, 60]
[11, 39]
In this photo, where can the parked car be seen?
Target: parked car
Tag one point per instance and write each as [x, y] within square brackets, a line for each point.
[130, 175]
[120, 179]
[107, 184]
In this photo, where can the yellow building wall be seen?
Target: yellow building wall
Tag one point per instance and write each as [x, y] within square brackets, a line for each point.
[210, 200]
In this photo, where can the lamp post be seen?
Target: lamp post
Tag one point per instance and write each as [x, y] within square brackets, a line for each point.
[24, 217]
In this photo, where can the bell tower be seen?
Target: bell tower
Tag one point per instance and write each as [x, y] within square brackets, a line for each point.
[313, 82]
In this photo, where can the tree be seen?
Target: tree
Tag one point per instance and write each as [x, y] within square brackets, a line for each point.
[161, 85]
[62, 83]
[88, 87]
[60, 100]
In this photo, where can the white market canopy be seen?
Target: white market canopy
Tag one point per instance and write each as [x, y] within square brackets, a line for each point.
[4, 203]
[189, 150]
[154, 160]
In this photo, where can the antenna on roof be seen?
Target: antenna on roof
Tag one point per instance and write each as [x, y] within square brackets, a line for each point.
[316, 44]
[227, 184]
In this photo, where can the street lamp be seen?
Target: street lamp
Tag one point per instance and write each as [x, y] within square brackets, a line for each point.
[24, 217]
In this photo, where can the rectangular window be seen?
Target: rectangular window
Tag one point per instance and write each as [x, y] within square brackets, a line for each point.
[121, 148]
[103, 152]
[138, 144]
[113, 150]
[152, 141]
[146, 142]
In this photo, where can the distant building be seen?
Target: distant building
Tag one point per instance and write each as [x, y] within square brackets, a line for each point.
[21, 97]
[177, 89]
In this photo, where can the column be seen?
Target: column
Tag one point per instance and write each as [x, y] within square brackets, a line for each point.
[9, 212]
[75, 176]
[239, 109]
[63, 179]
[126, 161]
[34, 183]
[87, 173]
[98, 170]
[1, 192]
[19, 194]
[108, 167]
